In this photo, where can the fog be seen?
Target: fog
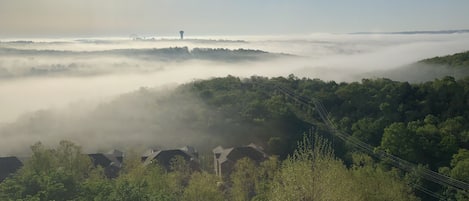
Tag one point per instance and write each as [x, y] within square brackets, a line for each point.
[53, 89]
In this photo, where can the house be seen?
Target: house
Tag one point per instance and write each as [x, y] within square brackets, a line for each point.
[111, 162]
[191, 150]
[165, 157]
[8, 166]
[119, 155]
[148, 153]
[225, 159]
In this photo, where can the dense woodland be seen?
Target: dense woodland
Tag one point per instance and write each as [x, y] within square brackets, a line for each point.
[80, 60]
[458, 60]
[424, 123]
[455, 65]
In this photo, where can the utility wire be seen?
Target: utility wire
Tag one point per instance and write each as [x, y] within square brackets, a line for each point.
[396, 161]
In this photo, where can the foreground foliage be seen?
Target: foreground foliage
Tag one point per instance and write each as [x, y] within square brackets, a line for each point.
[311, 173]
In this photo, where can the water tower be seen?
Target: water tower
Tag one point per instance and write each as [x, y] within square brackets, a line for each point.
[182, 34]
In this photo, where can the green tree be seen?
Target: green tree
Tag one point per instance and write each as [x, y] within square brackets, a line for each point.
[143, 183]
[265, 176]
[399, 140]
[243, 180]
[368, 130]
[179, 175]
[458, 170]
[371, 182]
[202, 186]
[311, 173]
[50, 174]
[96, 187]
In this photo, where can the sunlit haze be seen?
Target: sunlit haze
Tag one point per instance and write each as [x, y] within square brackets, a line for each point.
[59, 18]
[237, 100]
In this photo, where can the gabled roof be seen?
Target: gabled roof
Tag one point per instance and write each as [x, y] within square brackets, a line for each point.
[149, 152]
[190, 150]
[222, 155]
[235, 153]
[164, 156]
[218, 150]
[9, 165]
[247, 151]
[110, 162]
[100, 160]
[106, 160]
[116, 153]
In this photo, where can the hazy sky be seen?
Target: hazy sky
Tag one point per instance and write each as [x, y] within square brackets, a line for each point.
[31, 18]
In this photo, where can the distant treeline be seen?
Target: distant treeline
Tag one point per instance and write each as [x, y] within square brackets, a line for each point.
[170, 54]
[81, 62]
[458, 60]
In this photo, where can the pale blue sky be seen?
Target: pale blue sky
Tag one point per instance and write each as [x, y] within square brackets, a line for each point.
[226, 17]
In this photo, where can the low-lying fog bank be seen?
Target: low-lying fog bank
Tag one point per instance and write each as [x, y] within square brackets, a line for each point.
[75, 76]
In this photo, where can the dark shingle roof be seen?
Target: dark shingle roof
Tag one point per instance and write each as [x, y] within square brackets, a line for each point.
[8, 166]
[111, 162]
[251, 151]
[100, 160]
[164, 157]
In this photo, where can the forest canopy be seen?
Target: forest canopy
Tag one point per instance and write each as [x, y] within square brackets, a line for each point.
[425, 124]
[458, 60]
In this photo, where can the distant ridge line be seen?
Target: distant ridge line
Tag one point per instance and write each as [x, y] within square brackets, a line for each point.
[418, 32]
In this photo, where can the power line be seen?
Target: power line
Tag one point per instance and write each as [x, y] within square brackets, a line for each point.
[396, 161]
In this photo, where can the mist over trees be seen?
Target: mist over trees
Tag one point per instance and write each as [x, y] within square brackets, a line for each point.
[82, 62]
[417, 118]
[209, 100]
[456, 65]
[421, 123]
[458, 60]
[91, 69]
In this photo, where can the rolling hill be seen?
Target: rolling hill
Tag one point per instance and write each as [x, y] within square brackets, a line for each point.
[456, 65]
